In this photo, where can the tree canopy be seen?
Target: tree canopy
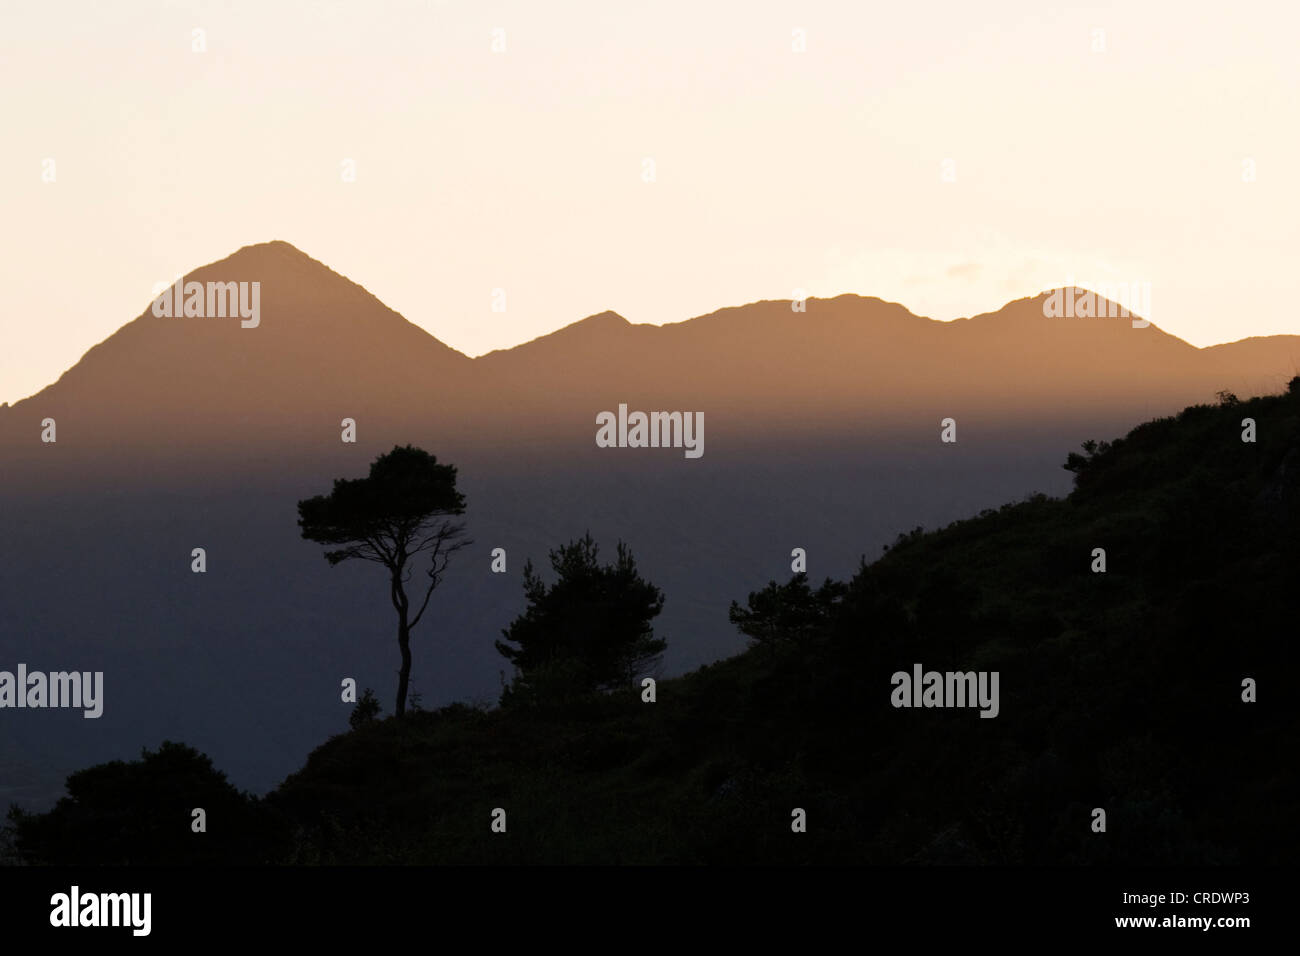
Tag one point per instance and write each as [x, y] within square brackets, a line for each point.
[397, 513]
[590, 630]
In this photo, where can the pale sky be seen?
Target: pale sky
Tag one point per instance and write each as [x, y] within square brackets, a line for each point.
[523, 170]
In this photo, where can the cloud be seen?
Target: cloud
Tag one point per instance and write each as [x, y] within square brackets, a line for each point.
[965, 270]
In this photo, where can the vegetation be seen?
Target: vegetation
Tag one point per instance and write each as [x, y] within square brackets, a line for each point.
[392, 516]
[589, 631]
[789, 613]
[141, 813]
[367, 709]
[1120, 690]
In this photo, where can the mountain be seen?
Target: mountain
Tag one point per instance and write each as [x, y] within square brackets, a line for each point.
[852, 362]
[165, 389]
[167, 393]
[821, 433]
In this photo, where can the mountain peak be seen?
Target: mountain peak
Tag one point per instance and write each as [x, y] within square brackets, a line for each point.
[289, 336]
[581, 336]
[276, 254]
[607, 318]
[273, 245]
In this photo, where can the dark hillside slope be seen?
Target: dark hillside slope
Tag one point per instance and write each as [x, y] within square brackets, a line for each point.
[1119, 690]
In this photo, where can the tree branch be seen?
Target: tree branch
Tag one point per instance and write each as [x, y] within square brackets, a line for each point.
[446, 541]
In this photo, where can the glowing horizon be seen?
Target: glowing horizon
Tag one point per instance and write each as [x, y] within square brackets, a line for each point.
[1160, 157]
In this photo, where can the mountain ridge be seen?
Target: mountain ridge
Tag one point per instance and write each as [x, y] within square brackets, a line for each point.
[326, 349]
[257, 257]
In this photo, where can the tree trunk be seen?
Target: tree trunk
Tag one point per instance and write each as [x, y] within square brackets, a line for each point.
[403, 640]
[404, 677]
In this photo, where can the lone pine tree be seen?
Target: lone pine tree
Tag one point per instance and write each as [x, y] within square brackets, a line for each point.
[397, 513]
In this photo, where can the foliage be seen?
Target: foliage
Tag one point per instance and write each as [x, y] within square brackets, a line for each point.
[366, 709]
[787, 613]
[392, 517]
[1119, 689]
[140, 813]
[591, 630]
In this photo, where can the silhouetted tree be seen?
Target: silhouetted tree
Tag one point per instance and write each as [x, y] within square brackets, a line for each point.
[391, 517]
[590, 630]
[140, 812]
[365, 711]
[787, 612]
[1079, 463]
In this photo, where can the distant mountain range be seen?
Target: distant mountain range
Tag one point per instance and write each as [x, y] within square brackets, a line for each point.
[822, 432]
[326, 349]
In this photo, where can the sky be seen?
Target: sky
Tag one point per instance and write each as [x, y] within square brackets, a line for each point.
[661, 160]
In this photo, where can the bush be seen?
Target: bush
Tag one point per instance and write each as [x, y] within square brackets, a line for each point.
[366, 710]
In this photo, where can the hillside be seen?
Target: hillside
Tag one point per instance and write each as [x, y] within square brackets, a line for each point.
[1120, 690]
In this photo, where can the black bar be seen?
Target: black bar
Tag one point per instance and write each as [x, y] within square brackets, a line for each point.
[471, 906]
